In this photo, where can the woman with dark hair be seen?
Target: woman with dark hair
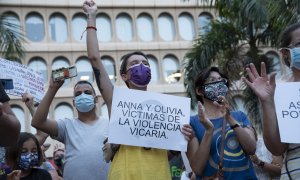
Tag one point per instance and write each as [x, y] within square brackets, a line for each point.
[264, 88]
[224, 138]
[25, 156]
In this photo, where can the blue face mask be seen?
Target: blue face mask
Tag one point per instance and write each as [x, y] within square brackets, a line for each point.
[295, 57]
[84, 102]
[28, 160]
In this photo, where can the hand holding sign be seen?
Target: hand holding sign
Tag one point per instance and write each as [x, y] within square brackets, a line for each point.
[24, 79]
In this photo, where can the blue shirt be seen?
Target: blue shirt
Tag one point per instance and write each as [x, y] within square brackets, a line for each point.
[236, 164]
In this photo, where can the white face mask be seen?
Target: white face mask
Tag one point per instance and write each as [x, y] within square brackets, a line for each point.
[294, 57]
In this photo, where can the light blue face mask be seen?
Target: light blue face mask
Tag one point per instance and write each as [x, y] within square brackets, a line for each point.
[84, 102]
[295, 57]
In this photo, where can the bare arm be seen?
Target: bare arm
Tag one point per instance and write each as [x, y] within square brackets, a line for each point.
[9, 125]
[102, 79]
[40, 120]
[28, 100]
[198, 154]
[264, 88]
[245, 136]
[273, 168]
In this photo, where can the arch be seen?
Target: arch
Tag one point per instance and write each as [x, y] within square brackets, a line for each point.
[124, 27]
[58, 29]
[34, 24]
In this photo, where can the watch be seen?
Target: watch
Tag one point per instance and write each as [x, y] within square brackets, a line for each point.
[234, 126]
[261, 164]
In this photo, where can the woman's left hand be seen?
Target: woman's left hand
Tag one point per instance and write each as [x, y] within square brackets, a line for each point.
[188, 132]
[223, 104]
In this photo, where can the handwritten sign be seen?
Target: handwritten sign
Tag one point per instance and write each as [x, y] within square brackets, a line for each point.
[287, 103]
[147, 119]
[24, 79]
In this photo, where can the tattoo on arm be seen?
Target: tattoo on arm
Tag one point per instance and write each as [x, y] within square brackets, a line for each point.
[97, 76]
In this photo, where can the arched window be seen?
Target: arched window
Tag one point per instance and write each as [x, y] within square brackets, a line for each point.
[166, 27]
[39, 64]
[204, 21]
[124, 27]
[58, 27]
[275, 63]
[60, 62]
[145, 27]
[78, 27]
[171, 69]
[63, 110]
[19, 112]
[186, 27]
[35, 27]
[109, 65]
[154, 69]
[84, 70]
[13, 19]
[105, 30]
[104, 111]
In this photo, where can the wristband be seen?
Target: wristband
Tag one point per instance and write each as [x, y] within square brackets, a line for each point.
[261, 164]
[235, 126]
[88, 27]
[91, 27]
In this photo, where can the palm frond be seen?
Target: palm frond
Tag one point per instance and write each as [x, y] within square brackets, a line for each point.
[11, 39]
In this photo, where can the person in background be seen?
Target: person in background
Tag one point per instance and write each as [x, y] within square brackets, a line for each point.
[264, 88]
[59, 160]
[41, 137]
[204, 150]
[9, 124]
[267, 166]
[24, 158]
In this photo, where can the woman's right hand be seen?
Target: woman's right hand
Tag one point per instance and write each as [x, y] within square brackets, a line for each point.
[14, 175]
[90, 7]
[208, 125]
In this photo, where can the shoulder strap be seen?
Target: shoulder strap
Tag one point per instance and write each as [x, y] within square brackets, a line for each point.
[220, 164]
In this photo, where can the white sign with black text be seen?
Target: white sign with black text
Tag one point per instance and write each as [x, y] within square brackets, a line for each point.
[24, 79]
[148, 119]
[287, 103]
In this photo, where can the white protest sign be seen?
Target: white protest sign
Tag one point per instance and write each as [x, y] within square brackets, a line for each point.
[148, 119]
[24, 79]
[287, 103]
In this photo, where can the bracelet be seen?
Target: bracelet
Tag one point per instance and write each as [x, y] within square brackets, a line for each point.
[261, 164]
[88, 27]
[235, 126]
[91, 27]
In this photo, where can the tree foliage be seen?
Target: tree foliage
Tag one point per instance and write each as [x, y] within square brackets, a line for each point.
[236, 39]
[11, 39]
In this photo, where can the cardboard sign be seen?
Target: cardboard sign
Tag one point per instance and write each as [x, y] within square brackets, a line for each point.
[147, 119]
[287, 103]
[24, 79]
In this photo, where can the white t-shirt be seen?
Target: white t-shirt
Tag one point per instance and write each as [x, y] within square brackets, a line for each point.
[83, 143]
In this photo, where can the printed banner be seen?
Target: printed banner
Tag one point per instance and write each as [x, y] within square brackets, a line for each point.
[24, 79]
[148, 119]
[287, 103]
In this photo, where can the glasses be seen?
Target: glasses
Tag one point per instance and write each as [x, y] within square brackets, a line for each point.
[214, 79]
